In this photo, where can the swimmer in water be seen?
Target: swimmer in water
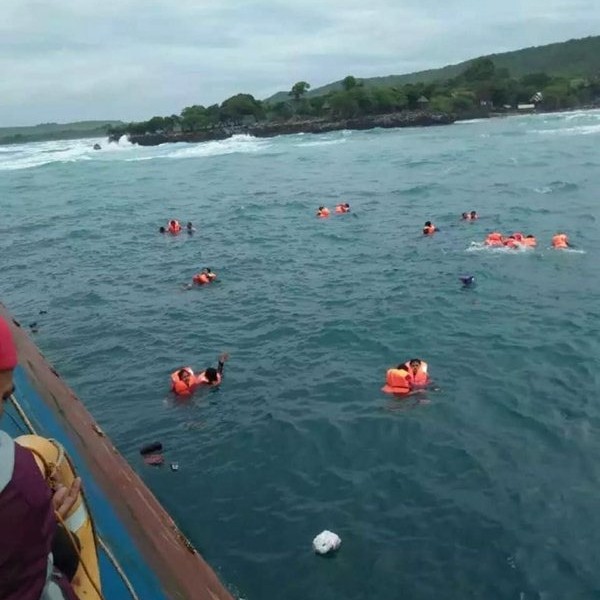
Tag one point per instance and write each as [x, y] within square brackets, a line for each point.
[561, 241]
[162, 230]
[429, 229]
[406, 379]
[323, 212]
[205, 277]
[184, 382]
[467, 280]
[190, 228]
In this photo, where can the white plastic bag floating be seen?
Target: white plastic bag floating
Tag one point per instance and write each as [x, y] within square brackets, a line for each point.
[326, 541]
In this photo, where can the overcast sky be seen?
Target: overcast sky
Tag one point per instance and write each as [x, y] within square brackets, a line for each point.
[65, 60]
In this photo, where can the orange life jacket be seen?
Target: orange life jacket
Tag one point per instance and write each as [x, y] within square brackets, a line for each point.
[529, 241]
[429, 230]
[203, 380]
[511, 243]
[179, 386]
[203, 278]
[174, 227]
[397, 381]
[340, 208]
[323, 213]
[560, 240]
[420, 377]
[494, 239]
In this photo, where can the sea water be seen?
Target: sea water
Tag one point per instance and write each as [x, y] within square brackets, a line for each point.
[484, 488]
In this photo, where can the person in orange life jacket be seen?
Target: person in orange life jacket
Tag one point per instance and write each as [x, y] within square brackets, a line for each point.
[473, 216]
[29, 545]
[399, 381]
[322, 212]
[205, 276]
[417, 370]
[174, 227]
[184, 382]
[429, 229]
[529, 240]
[342, 208]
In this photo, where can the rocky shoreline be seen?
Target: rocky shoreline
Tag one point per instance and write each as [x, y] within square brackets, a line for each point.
[388, 121]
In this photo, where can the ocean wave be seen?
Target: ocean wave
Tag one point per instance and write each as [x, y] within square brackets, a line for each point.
[579, 130]
[38, 154]
[556, 186]
[321, 143]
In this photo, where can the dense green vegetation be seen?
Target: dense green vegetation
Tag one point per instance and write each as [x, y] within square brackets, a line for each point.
[574, 58]
[481, 88]
[55, 131]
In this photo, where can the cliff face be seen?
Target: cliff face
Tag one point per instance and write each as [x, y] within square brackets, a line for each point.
[403, 119]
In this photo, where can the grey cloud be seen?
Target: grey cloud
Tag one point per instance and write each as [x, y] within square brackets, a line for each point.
[132, 59]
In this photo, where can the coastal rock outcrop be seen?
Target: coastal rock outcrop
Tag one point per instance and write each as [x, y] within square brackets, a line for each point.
[271, 129]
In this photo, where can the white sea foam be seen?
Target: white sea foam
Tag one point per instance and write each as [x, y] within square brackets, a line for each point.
[482, 247]
[579, 130]
[37, 154]
[321, 143]
[26, 156]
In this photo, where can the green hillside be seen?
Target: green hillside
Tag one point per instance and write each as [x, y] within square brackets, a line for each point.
[571, 58]
[55, 131]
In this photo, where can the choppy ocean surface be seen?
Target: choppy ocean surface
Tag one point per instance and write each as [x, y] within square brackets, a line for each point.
[485, 489]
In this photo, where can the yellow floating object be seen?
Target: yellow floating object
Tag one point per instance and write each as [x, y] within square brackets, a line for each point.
[56, 467]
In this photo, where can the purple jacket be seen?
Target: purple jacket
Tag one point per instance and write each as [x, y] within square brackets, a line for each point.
[27, 523]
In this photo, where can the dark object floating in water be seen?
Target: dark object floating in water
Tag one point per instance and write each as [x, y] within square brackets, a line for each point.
[467, 280]
[151, 448]
[33, 325]
[97, 147]
[43, 312]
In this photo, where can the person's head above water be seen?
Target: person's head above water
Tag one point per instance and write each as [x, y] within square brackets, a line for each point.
[467, 279]
[529, 236]
[212, 375]
[473, 213]
[465, 215]
[162, 230]
[321, 207]
[347, 205]
[427, 224]
[189, 225]
[184, 374]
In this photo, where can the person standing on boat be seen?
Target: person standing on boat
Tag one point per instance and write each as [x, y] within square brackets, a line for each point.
[27, 509]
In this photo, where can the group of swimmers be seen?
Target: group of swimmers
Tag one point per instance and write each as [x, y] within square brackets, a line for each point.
[408, 378]
[184, 382]
[174, 228]
[323, 212]
[402, 380]
[205, 276]
[518, 240]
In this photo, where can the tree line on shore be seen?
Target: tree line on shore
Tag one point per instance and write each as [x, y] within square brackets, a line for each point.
[482, 88]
